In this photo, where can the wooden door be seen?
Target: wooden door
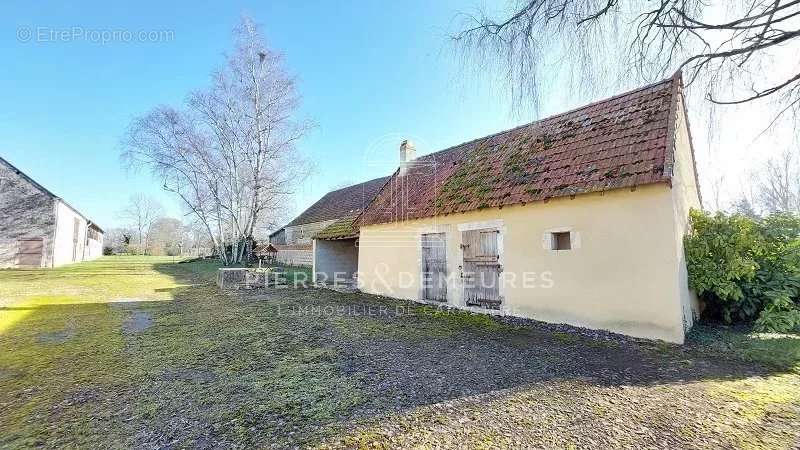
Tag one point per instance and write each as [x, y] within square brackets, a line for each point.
[29, 252]
[481, 268]
[434, 267]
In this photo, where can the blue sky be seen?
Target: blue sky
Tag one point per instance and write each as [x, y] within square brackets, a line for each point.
[370, 73]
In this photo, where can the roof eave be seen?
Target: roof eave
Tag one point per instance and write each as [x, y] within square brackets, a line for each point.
[665, 181]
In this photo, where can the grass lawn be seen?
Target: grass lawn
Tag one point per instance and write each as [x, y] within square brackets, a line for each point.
[144, 352]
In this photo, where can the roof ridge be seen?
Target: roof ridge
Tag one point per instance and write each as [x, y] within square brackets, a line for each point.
[331, 196]
[588, 105]
[28, 178]
[623, 143]
[47, 191]
[355, 185]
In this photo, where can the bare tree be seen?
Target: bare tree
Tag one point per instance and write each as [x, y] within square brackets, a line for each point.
[195, 240]
[118, 239]
[738, 50]
[166, 237]
[716, 189]
[140, 214]
[229, 154]
[779, 182]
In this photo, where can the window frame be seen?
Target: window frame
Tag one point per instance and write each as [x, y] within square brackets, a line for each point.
[550, 244]
[558, 238]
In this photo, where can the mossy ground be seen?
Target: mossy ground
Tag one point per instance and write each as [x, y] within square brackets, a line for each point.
[144, 352]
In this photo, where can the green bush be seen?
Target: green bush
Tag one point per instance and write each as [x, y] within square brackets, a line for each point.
[746, 269]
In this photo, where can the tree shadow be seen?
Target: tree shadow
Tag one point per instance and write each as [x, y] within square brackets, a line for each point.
[287, 366]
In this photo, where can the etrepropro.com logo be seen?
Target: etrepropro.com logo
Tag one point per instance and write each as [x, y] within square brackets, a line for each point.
[41, 34]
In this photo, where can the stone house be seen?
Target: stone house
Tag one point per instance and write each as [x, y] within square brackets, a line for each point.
[578, 218]
[38, 228]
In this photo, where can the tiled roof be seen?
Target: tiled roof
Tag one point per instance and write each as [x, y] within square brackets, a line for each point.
[349, 201]
[341, 229]
[623, 141]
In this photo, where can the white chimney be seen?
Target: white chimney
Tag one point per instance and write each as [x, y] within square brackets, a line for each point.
[408, 153]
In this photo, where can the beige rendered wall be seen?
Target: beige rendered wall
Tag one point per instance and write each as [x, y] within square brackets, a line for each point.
[334, 261]
[623, 276]
[685, 196]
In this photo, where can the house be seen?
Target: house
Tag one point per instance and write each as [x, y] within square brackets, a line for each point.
[38, 228]
[294, 240]
[577, 218]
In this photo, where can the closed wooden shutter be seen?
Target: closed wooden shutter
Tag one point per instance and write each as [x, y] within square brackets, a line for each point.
[481, 271]
[434, 267]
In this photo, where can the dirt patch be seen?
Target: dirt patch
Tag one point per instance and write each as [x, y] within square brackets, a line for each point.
[56, 337]
[9, 374]
[137, 322]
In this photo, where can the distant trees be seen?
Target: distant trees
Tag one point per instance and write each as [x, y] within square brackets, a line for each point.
[774, 186]
[167, 236]
[229, 152]
[117, 240]
[149, 232]
[140, 214]
[779, 184]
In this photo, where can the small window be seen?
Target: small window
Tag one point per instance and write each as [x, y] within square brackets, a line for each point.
[561, 241]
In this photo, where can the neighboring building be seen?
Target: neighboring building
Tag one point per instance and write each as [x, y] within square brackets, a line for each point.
[578, 218]
[278, 237]
[39, 229]
[294, 240]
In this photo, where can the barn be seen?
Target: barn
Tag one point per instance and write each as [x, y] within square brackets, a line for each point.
[38, 228]
[578, 218]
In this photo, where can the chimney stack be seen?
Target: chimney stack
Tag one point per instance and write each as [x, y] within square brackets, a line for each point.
[408, 153]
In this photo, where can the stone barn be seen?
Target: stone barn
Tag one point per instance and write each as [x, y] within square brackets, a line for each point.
[38, 228]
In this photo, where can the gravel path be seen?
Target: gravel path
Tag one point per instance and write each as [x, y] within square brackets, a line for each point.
[449, 380]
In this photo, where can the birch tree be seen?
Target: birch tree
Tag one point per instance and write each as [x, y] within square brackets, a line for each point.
[229, 152]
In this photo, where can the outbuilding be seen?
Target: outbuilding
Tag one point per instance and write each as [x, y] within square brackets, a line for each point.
[578, 218]
[38, 228]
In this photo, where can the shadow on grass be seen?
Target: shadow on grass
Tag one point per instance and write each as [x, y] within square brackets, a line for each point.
[351, 356]
[283, 366]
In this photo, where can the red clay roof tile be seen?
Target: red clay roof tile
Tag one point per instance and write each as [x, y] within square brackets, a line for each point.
[614, 143]
[344, 202]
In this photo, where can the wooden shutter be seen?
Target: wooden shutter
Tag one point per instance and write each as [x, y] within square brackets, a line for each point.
[481, 271]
